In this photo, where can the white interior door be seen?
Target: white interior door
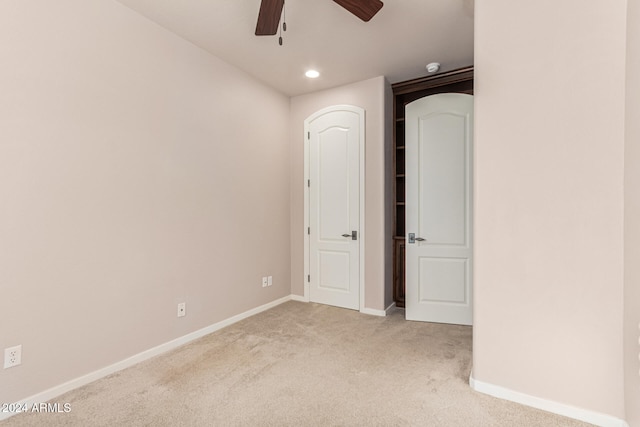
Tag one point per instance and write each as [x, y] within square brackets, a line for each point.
[334, 138]
[439, 132]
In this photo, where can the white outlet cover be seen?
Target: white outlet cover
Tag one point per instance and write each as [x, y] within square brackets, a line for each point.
[270, 281]
[265, 282]
[182, 309]
[12, 356]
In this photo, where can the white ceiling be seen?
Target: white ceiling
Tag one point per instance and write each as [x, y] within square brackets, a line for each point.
[398, 42]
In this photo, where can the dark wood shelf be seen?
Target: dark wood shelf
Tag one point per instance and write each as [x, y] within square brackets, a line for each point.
[400, 148]
[400, 175]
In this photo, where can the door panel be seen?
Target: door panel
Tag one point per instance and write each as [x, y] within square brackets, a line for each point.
[440, 278]
[442, 179]
[334, 139]
[439, 131]
[334, 271]
[332, 180]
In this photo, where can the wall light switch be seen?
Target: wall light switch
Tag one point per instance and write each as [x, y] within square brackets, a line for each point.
[270, 281]
[265, 282]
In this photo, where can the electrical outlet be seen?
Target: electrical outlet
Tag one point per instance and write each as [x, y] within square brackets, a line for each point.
[12, 356]
[270, 281]
[182, 309]
[265, 282]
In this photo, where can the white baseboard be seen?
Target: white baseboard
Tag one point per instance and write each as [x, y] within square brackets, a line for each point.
[370, 311]
[299, 298]
[389, 309]
[140, 357]
[585, 415]
[375, 312]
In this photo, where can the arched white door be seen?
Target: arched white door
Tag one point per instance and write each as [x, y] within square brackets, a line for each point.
[335, 139]
[438, 174]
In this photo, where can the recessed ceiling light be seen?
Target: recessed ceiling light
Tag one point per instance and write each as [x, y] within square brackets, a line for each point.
[312, 74]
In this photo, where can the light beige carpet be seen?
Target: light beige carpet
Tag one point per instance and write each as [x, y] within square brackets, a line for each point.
[301, 365]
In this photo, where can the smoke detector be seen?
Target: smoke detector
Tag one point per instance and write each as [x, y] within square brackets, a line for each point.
[433, 67]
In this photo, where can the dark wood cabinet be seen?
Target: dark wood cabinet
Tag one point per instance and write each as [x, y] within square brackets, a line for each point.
[398, 270]
[456, 81]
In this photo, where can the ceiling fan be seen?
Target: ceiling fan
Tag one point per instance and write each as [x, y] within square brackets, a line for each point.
[271, 10]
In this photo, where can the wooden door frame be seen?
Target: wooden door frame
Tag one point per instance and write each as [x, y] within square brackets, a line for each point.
[361, 114]
[455, 81]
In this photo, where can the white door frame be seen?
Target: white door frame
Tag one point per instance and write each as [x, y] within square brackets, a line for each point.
[361, 113]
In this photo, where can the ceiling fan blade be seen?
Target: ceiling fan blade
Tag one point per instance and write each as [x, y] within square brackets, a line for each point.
[363, 9]
[269, 17]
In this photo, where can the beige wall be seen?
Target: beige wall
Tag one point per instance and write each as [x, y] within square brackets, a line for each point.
[130, 181]
[632, 218]
[136, 172]
[550, 82]
[370, 95]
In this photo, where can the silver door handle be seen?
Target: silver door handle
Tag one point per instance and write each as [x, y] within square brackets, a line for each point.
[353, 235]
[413, 238]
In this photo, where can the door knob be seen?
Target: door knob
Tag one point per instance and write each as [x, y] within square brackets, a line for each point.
[413, 238]
[353, 235]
